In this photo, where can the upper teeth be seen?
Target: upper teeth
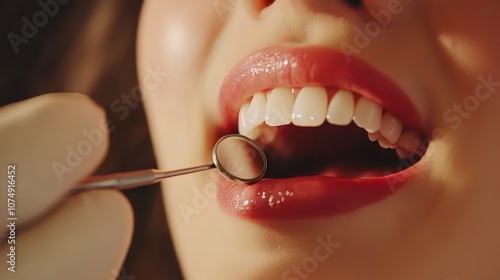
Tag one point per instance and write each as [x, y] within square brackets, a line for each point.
[310, 108]
[279, 107]
[368, 115]
[341, 108]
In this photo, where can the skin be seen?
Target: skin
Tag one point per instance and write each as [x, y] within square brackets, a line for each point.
[58, 236]
[440, 226]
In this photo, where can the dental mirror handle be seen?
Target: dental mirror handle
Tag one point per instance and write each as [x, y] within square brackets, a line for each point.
[134, 179]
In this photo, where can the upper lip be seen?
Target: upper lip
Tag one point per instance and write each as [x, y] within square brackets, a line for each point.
[299, 67]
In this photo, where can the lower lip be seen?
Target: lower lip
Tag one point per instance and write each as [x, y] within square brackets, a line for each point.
[308, 197]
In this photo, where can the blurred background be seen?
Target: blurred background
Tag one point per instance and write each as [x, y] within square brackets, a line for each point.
[89, 47]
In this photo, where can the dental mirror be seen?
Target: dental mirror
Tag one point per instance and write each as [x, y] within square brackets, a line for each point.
[237, 158]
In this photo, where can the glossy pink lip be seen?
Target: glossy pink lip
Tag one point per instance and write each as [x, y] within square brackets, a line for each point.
[312, 196]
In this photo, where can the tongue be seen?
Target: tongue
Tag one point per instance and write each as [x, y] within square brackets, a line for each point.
[326, 150]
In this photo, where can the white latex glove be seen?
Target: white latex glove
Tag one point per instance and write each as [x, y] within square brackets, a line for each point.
[58, 236]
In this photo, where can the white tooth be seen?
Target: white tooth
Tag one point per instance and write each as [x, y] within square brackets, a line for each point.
[368, 115]
[309, 109]
[267, 134]
[257, 109]
[410, 141]
[244, 128]
[255, 133]
[341, 108]
[385, 144]
[279, 107]
[373, 136]
[391, 128]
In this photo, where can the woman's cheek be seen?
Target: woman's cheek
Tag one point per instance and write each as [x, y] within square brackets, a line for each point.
[467, 33]
[178, 34]
[173, 39]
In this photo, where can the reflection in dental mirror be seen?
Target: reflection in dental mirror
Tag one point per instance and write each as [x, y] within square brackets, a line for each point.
[239, 158]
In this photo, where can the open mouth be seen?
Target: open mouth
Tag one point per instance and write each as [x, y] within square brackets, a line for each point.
[331, 132]
[338, 134]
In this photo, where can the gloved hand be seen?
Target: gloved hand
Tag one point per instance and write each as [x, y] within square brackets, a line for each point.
[55, 141]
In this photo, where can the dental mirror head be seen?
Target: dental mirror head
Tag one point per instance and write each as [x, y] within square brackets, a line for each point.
[239, 158]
